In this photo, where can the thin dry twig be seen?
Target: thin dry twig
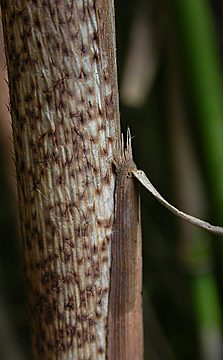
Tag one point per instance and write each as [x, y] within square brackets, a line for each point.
[141, 176]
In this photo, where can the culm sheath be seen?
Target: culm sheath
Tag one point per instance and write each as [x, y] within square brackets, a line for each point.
[125, 309]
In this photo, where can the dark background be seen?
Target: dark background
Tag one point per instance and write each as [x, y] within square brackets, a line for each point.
[170, 60]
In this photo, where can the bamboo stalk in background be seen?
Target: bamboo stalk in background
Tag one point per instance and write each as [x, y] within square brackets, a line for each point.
[194, 246]
[64, 107]
[202, 63]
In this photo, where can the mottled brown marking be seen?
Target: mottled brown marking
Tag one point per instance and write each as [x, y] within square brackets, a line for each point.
[57, 54]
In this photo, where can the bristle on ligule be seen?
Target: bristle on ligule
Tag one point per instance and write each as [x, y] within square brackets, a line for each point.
[126, 151]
